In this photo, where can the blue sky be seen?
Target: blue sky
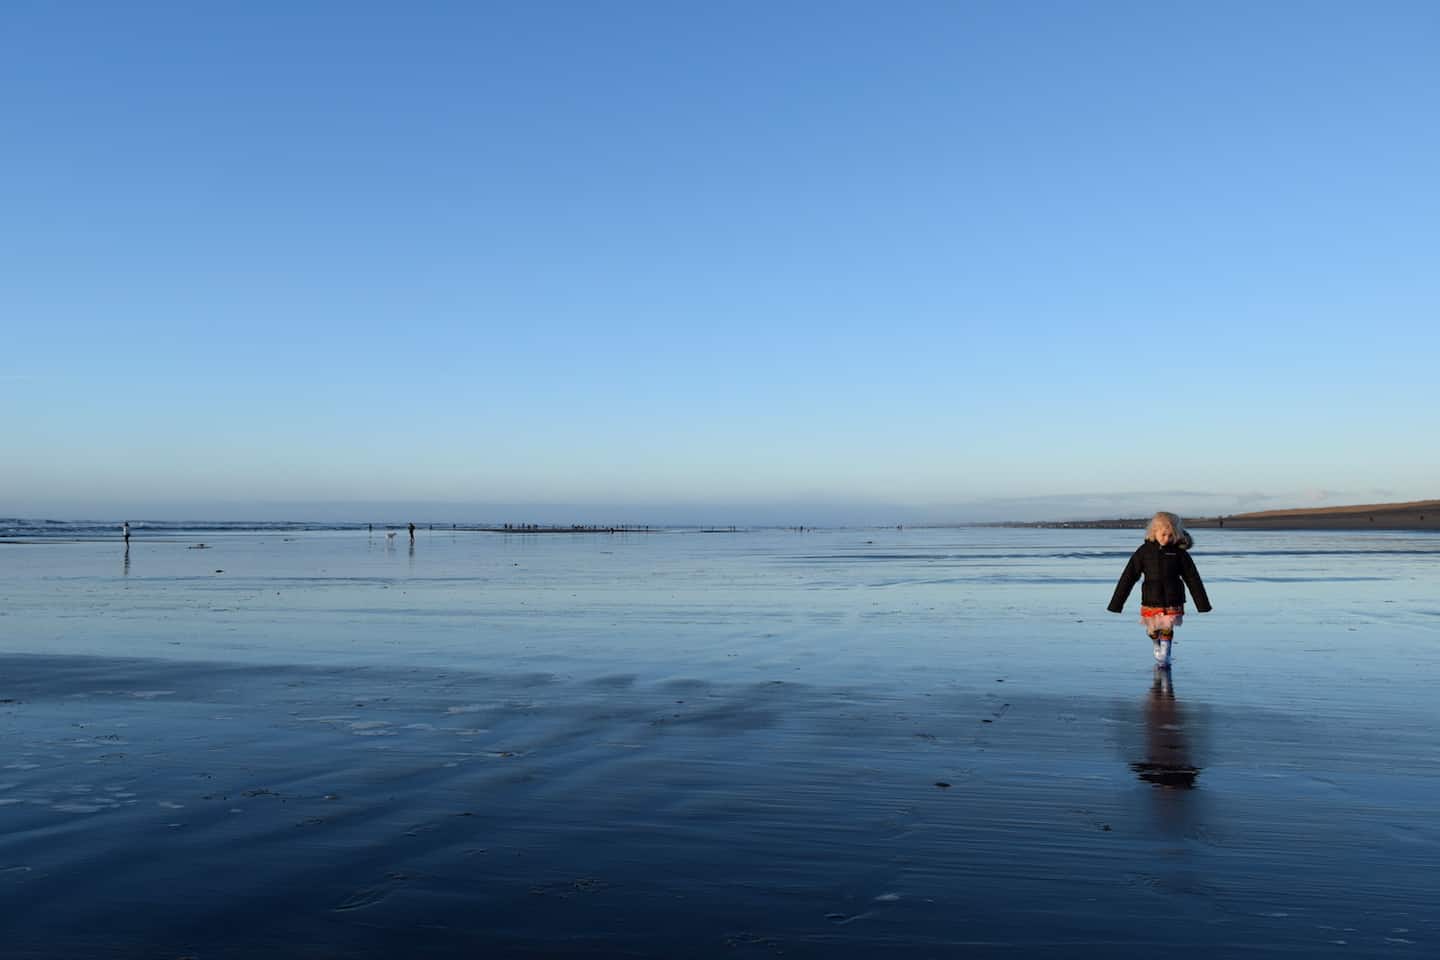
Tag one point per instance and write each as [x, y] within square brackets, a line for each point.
[825, 260]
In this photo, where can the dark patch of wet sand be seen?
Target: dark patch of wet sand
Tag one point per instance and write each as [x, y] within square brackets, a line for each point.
[158, 808]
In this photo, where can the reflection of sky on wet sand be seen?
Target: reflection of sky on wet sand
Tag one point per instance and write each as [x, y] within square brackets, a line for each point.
[886, 605]
[854, 741]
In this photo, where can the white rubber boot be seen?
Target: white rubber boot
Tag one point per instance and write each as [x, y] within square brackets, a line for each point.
[1162, 654]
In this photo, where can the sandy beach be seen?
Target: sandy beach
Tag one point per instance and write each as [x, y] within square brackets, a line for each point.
[836, 745]
[1412, 515]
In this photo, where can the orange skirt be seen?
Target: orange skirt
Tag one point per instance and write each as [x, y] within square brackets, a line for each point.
[1162, 618]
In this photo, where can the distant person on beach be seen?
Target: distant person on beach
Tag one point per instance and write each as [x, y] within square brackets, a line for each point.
[1164, 561]
[412, 533]
[125, 530]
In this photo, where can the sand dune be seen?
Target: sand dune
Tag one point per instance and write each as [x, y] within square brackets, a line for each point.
[1411, 515]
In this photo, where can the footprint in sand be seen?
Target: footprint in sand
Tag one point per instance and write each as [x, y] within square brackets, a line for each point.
[361, 899]
[369, 896]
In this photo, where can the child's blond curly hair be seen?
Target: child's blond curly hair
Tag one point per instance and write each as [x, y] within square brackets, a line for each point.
[1165, 518]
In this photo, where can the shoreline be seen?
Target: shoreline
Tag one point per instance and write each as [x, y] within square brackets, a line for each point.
[1414, 515]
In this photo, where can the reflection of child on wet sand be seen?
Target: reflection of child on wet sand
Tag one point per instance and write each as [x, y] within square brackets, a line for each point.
[1167, 760]
[1164, 561]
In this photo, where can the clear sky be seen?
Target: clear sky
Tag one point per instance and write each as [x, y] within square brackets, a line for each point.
[917, 260]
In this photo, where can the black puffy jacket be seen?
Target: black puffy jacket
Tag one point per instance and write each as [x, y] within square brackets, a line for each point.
[1163, 569]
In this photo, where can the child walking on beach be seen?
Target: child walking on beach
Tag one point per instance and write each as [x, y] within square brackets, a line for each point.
[1164, 561]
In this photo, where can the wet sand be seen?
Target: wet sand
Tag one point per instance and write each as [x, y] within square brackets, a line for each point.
[167, 809]
[837, 745]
